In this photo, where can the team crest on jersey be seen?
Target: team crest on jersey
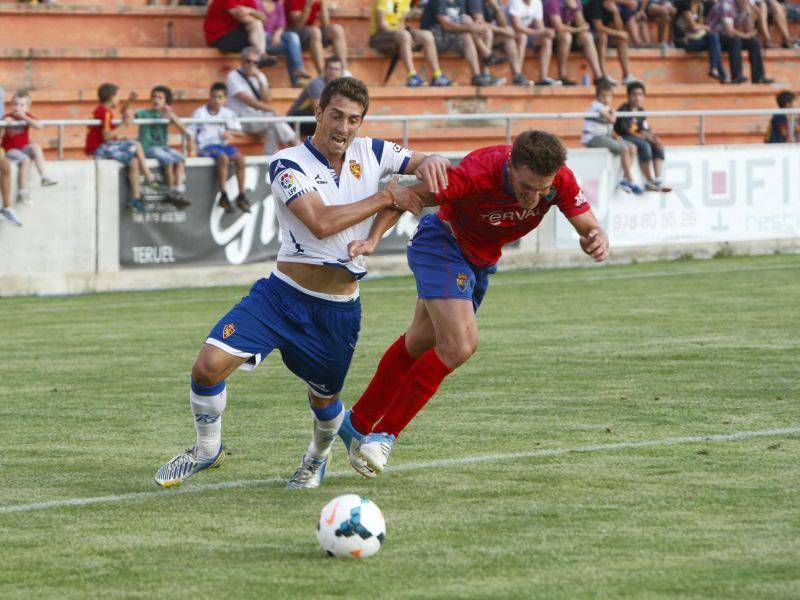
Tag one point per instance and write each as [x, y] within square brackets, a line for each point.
[355, 169]
[461, 281]
[228, 331]
[580, 198]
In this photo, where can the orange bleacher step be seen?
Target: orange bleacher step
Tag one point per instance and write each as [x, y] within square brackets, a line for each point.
[69, 68]
[51, 104]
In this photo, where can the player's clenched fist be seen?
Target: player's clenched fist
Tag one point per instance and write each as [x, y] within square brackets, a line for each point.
[595, 244]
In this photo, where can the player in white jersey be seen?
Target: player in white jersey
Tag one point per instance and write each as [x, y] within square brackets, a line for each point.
[308, 308]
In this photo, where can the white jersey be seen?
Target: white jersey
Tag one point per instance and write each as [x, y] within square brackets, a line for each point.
[302, 169]
[207, 134]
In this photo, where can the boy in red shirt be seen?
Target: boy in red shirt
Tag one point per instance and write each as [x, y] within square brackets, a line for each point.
[5, 190]
[103, 142]
[17, 143]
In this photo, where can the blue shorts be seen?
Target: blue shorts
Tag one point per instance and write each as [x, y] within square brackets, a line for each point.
[122, 150]
[441, 271]
[216, 150]
[316, 337]
[164, 155]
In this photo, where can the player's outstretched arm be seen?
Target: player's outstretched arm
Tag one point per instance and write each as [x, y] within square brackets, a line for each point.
[431, 169]
[384, 221]
[593, 240]
[324, 221]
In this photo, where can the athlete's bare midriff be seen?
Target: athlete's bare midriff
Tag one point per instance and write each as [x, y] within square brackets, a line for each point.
[319, 278]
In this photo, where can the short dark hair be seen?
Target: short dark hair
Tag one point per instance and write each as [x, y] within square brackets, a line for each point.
[332, 59]
[164, 90]
[106, 91]
[785, 98]
[349, 87]
[635, 85]
[218, 86]
[604, 85]
[542, 152]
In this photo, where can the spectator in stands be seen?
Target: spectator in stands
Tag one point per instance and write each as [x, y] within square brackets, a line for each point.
[733, 21]
[103, 142]
[232, 25]
[792, 11]
[692, 32]
[608, 27]
[390, 35]
[637, 131]
[500, 35]
[566, 17]
[598, 133]
[662, 11]
[527, 22]
[301, 16]
[280, 41]
[455, 31]
[764, 9]
[212, 140]
[5, 190]
[154, 139]
[635, 23]
[306, 103]
[17, 143]
[779, 131]
[248, 96]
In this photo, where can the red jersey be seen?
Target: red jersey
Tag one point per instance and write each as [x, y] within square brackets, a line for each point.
[219, 21]
[18, 136]
[94, 136]
[298, 6]
[480, 206]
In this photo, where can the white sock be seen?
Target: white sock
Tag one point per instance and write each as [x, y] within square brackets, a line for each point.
[326, 425]
[207, 404]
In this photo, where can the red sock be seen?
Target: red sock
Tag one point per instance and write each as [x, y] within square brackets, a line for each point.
[422, 381]
[392, 369]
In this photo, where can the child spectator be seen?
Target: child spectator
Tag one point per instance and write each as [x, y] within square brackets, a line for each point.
[778, 130]
[637, 131]
[213, 141]
[597, 134]
[102, 142]
[17, 143]
[5, 190]
[153, 139]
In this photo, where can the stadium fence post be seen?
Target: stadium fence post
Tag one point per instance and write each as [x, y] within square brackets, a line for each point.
[702, 130]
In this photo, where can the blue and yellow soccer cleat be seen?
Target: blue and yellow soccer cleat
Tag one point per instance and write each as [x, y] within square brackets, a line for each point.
[353, 439]
[375, 450]
[309, 474]
[185, 465]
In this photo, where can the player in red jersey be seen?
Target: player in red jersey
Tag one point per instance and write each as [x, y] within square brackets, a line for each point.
[493, 197]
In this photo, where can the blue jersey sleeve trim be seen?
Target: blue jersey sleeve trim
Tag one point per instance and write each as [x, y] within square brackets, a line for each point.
[377, 149]
[403, 166]
[281, 164]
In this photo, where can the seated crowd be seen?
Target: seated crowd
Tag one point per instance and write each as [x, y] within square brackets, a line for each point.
[486, 33]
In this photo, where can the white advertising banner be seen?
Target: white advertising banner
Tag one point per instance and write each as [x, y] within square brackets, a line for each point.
[720, 194]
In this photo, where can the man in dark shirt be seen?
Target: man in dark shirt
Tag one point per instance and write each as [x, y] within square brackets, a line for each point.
[779, 131]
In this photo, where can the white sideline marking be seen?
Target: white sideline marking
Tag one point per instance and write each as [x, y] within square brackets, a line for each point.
[446, 462]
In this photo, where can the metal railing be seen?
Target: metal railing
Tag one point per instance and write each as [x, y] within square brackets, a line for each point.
[508, 119]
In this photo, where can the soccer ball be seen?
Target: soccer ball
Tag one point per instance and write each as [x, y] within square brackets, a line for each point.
[351, 526]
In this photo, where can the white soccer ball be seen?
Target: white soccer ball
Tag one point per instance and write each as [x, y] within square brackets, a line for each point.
[351, 526]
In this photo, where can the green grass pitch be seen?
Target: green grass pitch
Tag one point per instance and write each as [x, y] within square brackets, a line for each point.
[93, 398]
